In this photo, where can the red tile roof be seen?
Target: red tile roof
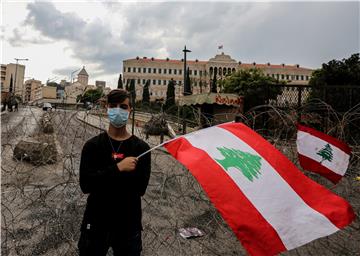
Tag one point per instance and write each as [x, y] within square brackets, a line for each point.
[244, 65]
[261, 66]
[169, 60]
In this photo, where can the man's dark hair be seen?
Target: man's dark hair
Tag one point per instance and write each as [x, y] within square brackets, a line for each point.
[118, 96]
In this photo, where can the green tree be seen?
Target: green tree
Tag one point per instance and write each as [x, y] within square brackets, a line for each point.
[11, 83]
[91, 95]
[170, 95]
[146, 93]
[120, 83]
[187, 89]
[247, 163]
[52, 84]
[127, 85]
[132, 90]
[337, 73]
[214, 83]
[256, 87]
[326, 153]
[201, 85]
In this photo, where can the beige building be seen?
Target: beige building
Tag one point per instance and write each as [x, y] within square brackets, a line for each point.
[44, 93]
[3, 76]
[72, 91]
[83, 77]
[8, 73]
[31, 87]
[160, 71]
[49, 92]
[100, 84]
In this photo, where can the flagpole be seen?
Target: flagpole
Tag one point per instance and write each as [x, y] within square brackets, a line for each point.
[151, 149]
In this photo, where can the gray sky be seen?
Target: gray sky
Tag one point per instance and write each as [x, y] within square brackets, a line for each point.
[61, 37]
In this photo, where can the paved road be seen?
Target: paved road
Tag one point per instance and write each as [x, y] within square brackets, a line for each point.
[21, 123]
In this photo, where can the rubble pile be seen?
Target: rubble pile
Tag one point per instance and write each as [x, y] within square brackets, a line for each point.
[157, 125]
[39, 149]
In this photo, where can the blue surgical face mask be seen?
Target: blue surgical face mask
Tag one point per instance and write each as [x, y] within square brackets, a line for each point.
[118, 117]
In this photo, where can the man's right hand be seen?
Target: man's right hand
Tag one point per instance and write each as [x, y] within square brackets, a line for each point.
[128, 164]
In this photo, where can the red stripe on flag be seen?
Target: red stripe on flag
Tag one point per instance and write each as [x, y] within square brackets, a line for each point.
[310, 164]
[335, 208]
[254, 232]
[338, 143]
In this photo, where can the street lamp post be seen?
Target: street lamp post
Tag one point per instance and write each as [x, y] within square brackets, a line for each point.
[185, 88]
[16, 65]
[185, 85]
[72, 74]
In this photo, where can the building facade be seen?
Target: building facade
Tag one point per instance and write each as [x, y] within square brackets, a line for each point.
[83, 77]
[12, 78]
[31, 87]
[44, 93]
[3, 76]
[161, 71]
[100, 84]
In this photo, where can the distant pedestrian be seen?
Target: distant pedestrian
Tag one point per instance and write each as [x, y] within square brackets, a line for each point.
[115, 181]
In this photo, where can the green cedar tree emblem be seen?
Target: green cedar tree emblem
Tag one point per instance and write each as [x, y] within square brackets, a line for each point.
[247, 163]
[326, 153]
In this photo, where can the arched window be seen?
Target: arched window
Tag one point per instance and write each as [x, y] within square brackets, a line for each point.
[233, 70]
[220, 71]
[215, 70]
[211, 71]
[224, 71]
[229, 70]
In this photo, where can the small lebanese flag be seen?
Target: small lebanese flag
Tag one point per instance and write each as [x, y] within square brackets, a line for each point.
[270, 205]
[220, 47]
[321, 153]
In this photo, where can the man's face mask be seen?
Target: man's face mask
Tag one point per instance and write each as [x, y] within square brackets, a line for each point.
[118, 117]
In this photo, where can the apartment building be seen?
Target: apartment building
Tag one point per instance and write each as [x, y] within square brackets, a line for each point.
[12, 78]
[31, 87]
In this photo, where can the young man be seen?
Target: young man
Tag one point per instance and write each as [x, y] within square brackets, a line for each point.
[115, 181]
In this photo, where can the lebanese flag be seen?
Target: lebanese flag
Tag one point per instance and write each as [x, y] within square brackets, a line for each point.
[269, 204]
[321, 153]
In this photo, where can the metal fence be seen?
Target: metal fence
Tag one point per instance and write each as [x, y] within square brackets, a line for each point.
[42, 206]
[332, 109]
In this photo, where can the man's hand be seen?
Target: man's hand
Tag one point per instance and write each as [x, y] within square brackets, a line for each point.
[128, 164]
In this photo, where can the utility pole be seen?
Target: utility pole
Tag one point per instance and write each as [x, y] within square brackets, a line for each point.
[16, 65]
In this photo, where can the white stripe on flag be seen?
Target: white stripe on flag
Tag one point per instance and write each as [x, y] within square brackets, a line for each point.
[308, 145]
[295, 222]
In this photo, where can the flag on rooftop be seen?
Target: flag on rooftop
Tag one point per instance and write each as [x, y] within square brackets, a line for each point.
[270, 205]
[220, 47]
[321, 153]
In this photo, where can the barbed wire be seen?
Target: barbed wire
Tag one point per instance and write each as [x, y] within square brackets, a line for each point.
[42, 204]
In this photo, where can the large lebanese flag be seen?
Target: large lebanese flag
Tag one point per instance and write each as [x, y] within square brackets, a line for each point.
[321, 153]
[269, 204]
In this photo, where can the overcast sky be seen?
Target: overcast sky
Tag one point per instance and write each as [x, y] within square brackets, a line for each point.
[61, 37]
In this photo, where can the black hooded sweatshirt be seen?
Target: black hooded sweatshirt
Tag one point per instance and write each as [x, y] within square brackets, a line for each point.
[114, 201]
